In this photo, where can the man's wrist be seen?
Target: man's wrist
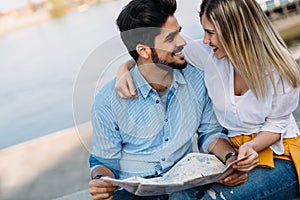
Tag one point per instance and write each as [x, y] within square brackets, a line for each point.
[97, 177]
[229, 155]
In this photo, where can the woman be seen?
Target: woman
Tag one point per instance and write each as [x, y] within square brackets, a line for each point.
[253, 82]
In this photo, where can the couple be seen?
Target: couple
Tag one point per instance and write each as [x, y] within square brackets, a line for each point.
[252, 81]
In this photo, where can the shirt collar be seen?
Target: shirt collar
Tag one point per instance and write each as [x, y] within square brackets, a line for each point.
[141, 84]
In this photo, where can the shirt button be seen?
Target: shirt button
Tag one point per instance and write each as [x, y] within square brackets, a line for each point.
[167, 139]
[163, 159]
[166, 120]
[157, 101]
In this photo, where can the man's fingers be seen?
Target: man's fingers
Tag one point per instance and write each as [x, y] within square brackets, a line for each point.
[102, 193]
[95, 190]
[234, 183]
[236, 176]
[235, 179]
[102, 196]
[99, 186]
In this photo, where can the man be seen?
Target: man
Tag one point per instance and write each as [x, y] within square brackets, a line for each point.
[147, 135]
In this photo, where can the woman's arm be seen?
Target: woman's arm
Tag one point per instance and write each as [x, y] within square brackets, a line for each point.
[262, 141]
[221, 147]
[124, 83]
[284, 103]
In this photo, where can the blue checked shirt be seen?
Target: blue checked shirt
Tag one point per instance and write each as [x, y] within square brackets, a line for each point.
[141, 137]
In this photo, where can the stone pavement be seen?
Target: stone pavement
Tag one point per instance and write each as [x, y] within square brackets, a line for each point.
[81, 195]
[49, 167]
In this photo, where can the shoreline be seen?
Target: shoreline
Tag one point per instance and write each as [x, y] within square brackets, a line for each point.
[37, 18]
[289, 31]
[15, 23]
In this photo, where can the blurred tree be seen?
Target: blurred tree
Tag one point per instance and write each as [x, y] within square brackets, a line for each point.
[57, 8]
[32, 6]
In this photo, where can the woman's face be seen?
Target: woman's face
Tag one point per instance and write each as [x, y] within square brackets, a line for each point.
[211, 38]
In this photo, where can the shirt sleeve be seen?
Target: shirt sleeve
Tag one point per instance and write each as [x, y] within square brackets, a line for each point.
[106, 140]
[96, 162]
[209, 129]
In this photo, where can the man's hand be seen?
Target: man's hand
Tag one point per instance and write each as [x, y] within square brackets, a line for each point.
[124, 83]
[236, 178]
[101, 190]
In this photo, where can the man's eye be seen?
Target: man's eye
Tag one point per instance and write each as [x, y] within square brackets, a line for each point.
[171, 37]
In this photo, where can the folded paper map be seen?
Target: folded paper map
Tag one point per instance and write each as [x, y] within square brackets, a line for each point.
[193, 170]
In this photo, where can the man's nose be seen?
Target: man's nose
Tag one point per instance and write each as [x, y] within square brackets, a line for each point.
[181, 41]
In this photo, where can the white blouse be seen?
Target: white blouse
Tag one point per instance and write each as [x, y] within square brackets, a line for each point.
[245, 114]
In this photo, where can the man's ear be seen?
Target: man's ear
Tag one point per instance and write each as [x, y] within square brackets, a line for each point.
[144, 51]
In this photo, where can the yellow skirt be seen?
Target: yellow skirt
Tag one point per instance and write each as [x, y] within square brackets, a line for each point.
[266, 157]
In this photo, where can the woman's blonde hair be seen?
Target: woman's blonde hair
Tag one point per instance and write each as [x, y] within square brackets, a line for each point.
[252, 44]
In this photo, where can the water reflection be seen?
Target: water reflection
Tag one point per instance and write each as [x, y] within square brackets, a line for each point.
[39, 65]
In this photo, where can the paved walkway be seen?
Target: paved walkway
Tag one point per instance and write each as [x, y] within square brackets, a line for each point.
[46, 168]
[81, 195]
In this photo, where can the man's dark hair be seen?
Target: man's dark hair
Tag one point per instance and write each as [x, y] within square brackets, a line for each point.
[137, 19]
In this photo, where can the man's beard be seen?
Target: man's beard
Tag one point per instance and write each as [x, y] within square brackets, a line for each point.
[163, 64]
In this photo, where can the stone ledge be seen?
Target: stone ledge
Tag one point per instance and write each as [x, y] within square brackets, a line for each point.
[81, 195]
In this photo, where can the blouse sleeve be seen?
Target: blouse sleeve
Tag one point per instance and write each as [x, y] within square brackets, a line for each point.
[197, 54]
[284, 102]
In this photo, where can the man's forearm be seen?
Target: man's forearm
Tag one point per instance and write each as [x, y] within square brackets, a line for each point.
[220, 147]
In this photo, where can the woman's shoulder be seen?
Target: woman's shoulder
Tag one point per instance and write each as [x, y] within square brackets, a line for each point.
[197, 53]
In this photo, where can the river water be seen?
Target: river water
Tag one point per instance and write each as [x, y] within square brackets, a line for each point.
[40, 64]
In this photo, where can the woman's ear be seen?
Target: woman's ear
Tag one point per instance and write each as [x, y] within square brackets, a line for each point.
[144, 51]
